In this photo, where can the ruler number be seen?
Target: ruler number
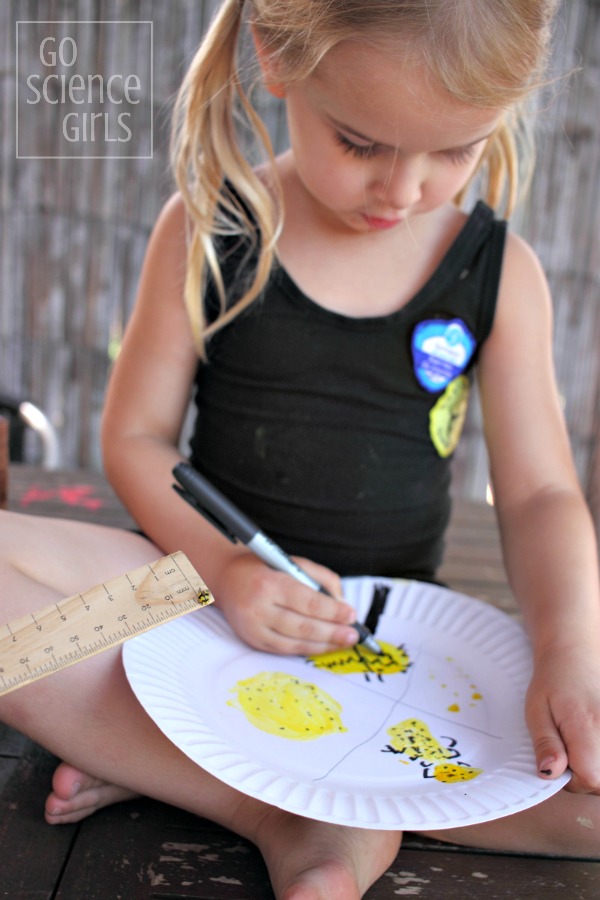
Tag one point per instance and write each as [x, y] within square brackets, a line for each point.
[129, 616]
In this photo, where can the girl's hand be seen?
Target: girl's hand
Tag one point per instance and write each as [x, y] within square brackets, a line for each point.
[563, 715]
[273, 612]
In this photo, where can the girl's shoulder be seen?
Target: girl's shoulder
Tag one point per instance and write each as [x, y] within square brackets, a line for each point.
[169, 234]
[173, 213]
[520, 254]
[524, 305]
[522, 274]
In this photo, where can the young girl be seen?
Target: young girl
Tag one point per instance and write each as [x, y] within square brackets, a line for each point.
[338, 300]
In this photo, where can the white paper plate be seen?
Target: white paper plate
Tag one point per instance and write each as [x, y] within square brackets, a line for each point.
[469, 669]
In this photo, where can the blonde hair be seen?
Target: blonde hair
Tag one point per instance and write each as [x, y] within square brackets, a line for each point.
[487, 53]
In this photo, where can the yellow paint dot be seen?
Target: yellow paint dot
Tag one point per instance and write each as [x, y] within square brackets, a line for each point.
[288, 707]
[449, 773]
[454, 707]
[476, 696]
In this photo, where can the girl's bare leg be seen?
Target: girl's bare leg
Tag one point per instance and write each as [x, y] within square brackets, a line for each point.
[566, 824]
[89, 717]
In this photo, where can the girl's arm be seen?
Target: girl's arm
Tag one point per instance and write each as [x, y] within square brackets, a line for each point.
[547, 533]
[146, 404]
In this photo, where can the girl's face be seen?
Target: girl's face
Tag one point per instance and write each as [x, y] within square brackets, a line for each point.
[375, 141]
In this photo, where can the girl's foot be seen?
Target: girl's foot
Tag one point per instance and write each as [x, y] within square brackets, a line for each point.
[309, 860]
[76, 795]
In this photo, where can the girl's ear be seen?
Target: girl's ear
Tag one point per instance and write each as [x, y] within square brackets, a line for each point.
[268, 66]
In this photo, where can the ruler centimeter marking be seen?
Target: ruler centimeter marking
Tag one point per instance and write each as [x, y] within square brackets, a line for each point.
[85, 624]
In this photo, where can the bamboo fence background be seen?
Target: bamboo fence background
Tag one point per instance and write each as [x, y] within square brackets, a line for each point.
[74, 230]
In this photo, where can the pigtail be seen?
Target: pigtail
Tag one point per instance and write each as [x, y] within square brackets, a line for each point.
[505, 168]
[503, 174]
[508, 163]
[210, 109]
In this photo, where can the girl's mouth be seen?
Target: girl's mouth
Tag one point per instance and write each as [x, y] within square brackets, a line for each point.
[380, 224]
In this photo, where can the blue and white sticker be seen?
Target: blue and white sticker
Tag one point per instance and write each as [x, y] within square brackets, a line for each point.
[441, 350]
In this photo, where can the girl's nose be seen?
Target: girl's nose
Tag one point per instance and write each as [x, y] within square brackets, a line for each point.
[399, 184]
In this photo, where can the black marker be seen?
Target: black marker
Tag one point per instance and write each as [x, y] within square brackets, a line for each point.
[232, 522]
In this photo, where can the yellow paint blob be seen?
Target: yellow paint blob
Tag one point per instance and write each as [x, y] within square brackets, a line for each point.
[454, 707]
[450, 773]
[286, 706]
[447, 416]
[414, 738]
[359, 659]
[476, 696]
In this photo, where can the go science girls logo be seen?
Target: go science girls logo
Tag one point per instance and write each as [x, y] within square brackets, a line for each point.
[84, 89]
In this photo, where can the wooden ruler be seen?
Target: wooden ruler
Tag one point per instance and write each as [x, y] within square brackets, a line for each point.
[86, 624]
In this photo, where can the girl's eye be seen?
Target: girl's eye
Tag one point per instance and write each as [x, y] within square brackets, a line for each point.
[461, 155]
[362, 151]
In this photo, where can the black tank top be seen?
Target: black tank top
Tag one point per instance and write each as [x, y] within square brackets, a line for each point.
[318, 425]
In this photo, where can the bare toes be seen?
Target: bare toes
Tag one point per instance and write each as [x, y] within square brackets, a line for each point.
[76, 795]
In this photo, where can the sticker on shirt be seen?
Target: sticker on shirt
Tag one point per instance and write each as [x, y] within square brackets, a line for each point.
[447, 416]
[441, 350]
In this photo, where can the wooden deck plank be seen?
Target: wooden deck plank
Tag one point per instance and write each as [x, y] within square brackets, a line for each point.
[436, 874]
[12, 744]
[32, 854]
[85, 496]
[156, 851]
